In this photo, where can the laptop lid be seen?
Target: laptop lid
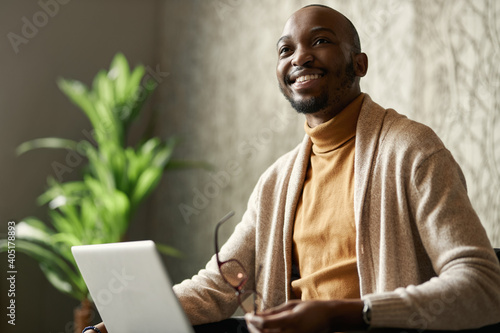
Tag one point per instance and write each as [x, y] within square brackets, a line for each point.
[131, 288]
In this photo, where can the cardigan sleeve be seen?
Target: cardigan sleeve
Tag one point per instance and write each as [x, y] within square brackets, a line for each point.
[465, 293]
[257, 243]
[206, 297]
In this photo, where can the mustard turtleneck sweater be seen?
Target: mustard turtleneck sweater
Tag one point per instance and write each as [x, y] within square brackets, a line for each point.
[324, 234]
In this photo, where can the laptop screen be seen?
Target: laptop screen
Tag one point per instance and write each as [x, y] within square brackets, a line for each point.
[130, 287]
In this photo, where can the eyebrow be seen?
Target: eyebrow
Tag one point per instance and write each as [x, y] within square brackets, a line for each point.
[313, 30]
[282, 38]
[319, 29]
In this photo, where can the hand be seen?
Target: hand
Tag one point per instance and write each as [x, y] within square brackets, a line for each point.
[309, 316]
[101, 328]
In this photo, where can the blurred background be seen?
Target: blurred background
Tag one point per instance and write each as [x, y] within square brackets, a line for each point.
[214, 62]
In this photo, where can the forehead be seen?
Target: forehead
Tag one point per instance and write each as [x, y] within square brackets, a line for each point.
[309, 19]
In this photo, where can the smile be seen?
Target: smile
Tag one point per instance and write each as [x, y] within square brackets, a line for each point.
[305, 78]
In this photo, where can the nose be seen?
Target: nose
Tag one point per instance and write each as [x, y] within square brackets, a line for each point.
[302, 56]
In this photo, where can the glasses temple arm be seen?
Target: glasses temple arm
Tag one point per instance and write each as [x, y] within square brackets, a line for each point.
[222, 220]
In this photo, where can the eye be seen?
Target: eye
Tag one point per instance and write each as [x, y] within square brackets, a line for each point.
[321, 41]
[283, 50]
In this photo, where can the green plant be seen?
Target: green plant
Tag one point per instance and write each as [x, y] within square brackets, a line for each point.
[99, 207]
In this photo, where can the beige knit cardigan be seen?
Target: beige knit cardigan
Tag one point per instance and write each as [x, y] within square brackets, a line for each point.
[424, 259]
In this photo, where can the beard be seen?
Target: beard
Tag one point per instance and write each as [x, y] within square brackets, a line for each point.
[318, 103]
[311, 105]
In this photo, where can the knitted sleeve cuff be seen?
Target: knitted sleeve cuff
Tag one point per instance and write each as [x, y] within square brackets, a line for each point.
[390, 310]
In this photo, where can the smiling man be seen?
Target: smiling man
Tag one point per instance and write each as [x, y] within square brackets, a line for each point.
[366, 223]
[320, 63]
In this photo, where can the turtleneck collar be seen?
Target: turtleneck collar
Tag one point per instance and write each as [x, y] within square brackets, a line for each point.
[335, 132]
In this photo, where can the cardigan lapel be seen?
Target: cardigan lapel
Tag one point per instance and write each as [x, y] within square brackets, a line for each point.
[294, 190]
[370, 121]
[368, 130]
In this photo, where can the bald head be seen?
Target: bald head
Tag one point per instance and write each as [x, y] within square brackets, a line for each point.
[350, 30]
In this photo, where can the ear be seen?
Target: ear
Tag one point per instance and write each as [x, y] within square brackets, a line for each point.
[360, 62]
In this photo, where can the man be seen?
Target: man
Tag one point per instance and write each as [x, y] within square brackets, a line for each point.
[366, 223]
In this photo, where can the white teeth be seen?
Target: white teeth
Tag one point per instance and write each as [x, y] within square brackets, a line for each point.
[307, 77]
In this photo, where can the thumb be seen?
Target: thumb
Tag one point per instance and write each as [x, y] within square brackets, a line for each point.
[254, 320]
[278, 309]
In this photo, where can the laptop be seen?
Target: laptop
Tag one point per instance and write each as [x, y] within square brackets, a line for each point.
[130, 287]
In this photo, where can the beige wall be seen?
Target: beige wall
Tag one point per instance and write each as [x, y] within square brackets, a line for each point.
[435, 61]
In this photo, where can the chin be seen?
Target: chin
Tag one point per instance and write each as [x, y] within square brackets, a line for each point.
[309, 105]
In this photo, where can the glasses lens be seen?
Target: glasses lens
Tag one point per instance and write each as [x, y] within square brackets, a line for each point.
[249, 300]
[234, 273]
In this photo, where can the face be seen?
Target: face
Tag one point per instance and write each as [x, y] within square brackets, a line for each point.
[315, 61]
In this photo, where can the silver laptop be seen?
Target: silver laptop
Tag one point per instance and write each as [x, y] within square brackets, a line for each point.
[130, 287]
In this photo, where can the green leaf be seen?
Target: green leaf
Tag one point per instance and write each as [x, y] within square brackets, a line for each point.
[57, 143]
[104, 89]
[134, 84]
[53, 262]
[142, 94]
[63, 224]
[36, 223]
[109, 127]
[100, 170]
[71, 191]
[145, 185]
[75, 188]
[88, 217]
[162, 156]
[168, 250]
[3, 245]
[57, 281]
[133, 169]
[149, 147]
[119, 72]
[121, 208]
[67, 239]
[95, 187]
[114, 156]
[71, 215]
[33, 230]
[78, 93]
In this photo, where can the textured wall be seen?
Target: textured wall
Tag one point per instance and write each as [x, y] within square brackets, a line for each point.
[432, 60]
[222, 100]
[456, 92]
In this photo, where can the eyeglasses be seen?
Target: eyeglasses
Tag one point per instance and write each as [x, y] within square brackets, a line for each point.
[233, 272]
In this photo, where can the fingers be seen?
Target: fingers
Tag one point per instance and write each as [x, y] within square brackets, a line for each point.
[255, 324]
[102, 328]
[305, 316]
[280, 308]
[275, 321]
